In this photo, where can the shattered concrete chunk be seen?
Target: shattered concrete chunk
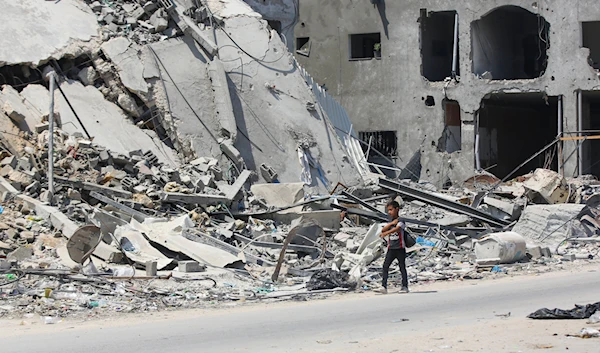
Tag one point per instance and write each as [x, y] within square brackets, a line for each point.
[159, 20]
[129, 105]
[131, 69]
[87, 75]
[21, 254]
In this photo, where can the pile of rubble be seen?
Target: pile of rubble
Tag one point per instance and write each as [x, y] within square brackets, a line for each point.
[172, 185]
[157, 237]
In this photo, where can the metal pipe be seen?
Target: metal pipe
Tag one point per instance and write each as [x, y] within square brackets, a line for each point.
[580, 127]
[455, 47]
[477, 159]
[559, 131]
[52, 78]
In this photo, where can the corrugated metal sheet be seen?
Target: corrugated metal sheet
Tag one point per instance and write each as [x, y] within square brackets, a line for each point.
[338, 117]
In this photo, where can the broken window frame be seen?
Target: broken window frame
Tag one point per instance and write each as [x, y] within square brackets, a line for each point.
[452, 49]
[303, 45]
[373, 37]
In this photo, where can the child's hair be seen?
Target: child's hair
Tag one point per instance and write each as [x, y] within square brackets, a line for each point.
[393, 203]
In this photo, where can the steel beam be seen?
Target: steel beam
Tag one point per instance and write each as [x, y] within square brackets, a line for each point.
[441, 202]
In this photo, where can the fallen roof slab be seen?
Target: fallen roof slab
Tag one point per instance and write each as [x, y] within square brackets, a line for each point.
[107, 123]
[35, 31]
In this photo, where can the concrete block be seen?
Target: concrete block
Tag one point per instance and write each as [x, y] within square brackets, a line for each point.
[548, 184]
[279, 195]
[20, 178]
[159, 20]
[28, 236]
[96, 6]
[509, 208]
[546, 252]
[341, 238]
[24, 164]
[109, 18]
[150, 7]
[39, 128]
[231, 152]
[545, 222]
[190, 266]
[534, 252]
[151, 268]
[569, 257]
[11, 161]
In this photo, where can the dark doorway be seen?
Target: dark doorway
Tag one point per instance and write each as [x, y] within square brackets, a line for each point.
[591, 121]
[437, 45]
[510, 43]
[591, 40]
[512, 128]
[452, 138]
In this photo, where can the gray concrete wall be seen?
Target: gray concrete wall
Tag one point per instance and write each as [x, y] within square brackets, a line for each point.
[388, 94]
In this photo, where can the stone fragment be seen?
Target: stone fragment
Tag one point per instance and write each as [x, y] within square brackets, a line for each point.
[96, 6]
[21, 254]
[159, 20]
[11, 161]
[128, 104]
[27, 236]
[87, 75]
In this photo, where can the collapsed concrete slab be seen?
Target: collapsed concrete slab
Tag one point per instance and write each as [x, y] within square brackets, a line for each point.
[124, 56]
[270, 100]
[548, 223]
[138, 248]
[107, 123]
[279, 195]
[168, 234]
[52, 29]
[185, 93]
[14, 106]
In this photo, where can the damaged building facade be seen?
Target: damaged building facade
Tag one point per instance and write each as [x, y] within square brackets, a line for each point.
[444, 88]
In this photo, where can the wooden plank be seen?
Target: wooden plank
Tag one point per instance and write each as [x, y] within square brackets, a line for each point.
[579, 138]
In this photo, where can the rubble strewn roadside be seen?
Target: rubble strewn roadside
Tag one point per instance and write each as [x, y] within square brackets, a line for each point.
[139, 220]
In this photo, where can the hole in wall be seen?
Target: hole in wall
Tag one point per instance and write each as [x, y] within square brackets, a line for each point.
[430, 101]
[437, 45]
[513, 127]
[383, 142]
[590, 35]
[510, 43]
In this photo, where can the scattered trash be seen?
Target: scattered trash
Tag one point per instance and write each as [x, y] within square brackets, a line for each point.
[325, 342]
[586, 333]
[49, 320]
[578, 312]
[594, 319]
[329, 279]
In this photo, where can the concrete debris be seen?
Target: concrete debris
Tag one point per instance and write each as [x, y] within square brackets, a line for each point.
[548, 185]
[218, 186]
[507, 247]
